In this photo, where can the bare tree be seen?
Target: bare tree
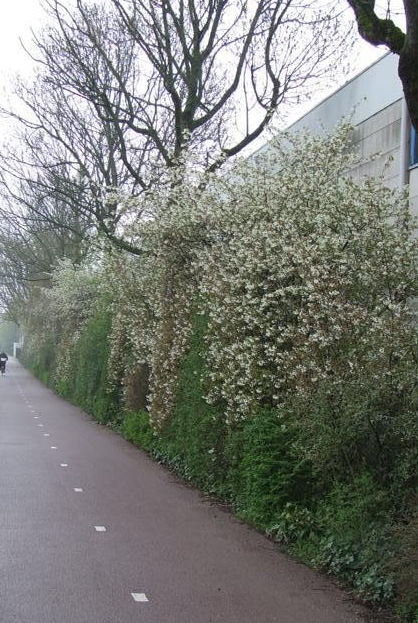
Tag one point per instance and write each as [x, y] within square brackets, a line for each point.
[196, 67]
[40, 223]
[379, 30]
[66, 154]
[27, 257]
[126, 89]
[61, 137]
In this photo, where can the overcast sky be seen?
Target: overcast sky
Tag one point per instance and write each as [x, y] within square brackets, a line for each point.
[17, 17]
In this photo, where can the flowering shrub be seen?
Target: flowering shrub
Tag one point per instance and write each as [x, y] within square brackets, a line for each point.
[59, 313]
[305, 276]
[153, 294]
[310, 280]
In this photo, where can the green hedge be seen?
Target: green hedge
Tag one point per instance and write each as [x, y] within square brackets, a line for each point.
[90, 380]
[43, 362]
[89, 384]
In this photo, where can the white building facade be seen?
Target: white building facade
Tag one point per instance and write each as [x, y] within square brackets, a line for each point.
[374, 103]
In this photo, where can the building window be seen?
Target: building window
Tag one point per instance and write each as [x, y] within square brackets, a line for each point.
[413, 157]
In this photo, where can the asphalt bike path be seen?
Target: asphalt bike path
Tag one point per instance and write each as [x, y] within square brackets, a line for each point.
[93, 531]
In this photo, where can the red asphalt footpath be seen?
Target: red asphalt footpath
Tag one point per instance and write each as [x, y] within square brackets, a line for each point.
[93, 531]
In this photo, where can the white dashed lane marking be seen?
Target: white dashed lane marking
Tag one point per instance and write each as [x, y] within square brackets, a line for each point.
[46, 434]
[63, 464]
[78, 489]
[53, 447]
[140, 597]
[100, 528]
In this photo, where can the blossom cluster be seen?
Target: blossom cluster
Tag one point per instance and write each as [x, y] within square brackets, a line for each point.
[311, 278]
[306, 276]
[153, 295]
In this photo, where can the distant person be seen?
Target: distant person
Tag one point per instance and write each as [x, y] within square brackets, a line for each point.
[3, 359]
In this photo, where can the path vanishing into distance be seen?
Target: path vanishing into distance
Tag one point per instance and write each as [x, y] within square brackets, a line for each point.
[93, 531]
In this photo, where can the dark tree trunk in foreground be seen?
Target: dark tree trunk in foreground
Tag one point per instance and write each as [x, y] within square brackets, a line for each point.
[383, 31]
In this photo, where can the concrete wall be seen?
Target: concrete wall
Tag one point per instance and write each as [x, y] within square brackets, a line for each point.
[381, 133]
[373, 90]
[372, 101]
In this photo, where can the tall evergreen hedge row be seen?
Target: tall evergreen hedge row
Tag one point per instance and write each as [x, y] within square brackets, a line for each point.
[87, 385]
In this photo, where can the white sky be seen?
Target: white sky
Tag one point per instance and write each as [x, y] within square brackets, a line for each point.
[19, 16]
